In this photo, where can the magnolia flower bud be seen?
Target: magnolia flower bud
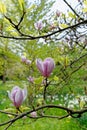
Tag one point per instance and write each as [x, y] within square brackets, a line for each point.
[28, 62]
[58, 13]
[52, 26]
[38, 25]
[30, 79]
[46, 66]
[33, 114]
[23, 59]
[17, 96]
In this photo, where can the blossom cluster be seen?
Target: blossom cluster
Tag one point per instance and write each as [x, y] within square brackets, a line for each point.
[18, 95]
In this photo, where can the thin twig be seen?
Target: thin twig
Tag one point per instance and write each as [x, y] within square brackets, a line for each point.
[8, 125]
[9, 113]
[72, 9]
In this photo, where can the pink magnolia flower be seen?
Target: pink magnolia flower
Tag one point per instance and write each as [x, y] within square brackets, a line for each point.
[33, 114]
[17, 96]
[38, 25]
[46, 66]
[30, 79]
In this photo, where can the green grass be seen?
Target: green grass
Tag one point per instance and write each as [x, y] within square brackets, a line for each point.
[46, 124]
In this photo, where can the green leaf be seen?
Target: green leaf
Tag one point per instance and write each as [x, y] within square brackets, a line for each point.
[38, 80]
[66, 61]
[70, 14]
[9, 28]
[13, 33]
[9, 110]
[56, 78]
[21, 3]
[31, 8]
[40, 101]
[25, 54]
[24, 108]
[63, 25]
[85, 2]
[6, 21]
[2, 8]
[82, 103]
[84, 10]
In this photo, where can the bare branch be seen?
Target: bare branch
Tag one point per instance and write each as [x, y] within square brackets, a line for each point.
[8, 125]
[28, 37]
[68, 110]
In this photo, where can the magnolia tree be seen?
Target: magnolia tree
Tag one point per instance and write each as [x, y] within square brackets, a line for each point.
[52, 47]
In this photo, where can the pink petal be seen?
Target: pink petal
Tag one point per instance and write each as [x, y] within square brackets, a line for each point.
[9, 95]
[13, 92]
[28, 62]
[39, 64]
[45, 67]
[18, 98]
[24, 91]
[48, 66]
[23, 59]
[38, 25]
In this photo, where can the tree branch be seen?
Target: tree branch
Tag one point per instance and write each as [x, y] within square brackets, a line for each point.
[68, 110]
[44, 36]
